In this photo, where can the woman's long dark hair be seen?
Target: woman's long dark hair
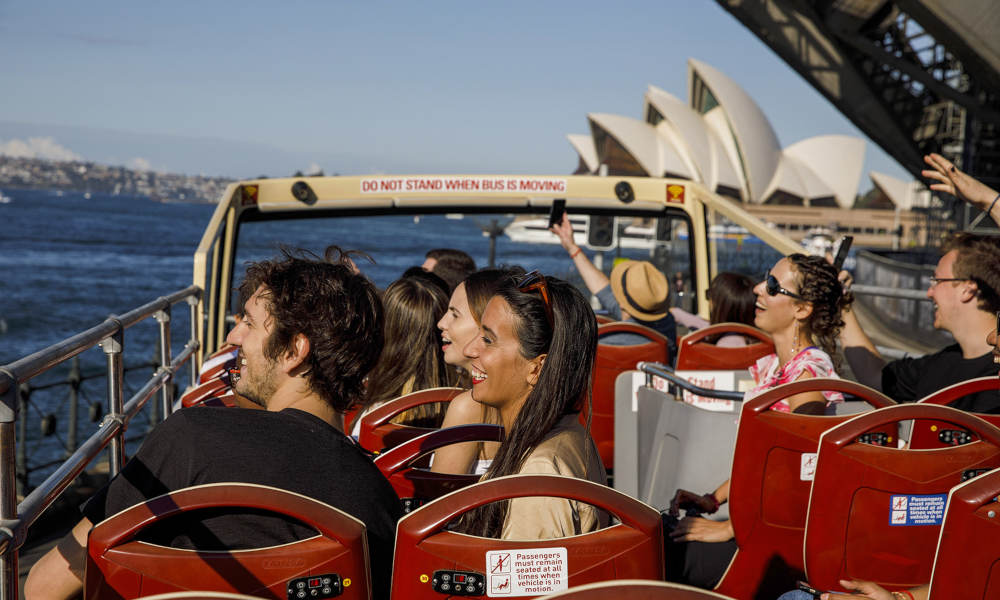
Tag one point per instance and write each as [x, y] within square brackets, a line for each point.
[819, 285]
[732, 298]
[411, 359]
[563, 385]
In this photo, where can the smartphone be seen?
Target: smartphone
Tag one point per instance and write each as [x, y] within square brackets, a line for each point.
[996, 341]
[805, 587]
[557, 211]
[845, 247]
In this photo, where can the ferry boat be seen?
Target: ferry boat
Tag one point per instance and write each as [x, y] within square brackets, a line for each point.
[819, 496]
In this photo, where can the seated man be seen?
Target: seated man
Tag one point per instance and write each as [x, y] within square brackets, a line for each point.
[310, 332]
[965, 289]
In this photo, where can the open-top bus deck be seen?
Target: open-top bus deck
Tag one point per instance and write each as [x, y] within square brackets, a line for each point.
[826, 487]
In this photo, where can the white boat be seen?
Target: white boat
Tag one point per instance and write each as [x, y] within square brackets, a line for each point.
[5, 199]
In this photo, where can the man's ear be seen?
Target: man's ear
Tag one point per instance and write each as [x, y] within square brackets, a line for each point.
[295, 357]
[535, 369]
[970, 291]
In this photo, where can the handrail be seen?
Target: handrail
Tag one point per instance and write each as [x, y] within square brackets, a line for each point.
[15, 520]
[660, 370]
[25, 368]
[889, 292]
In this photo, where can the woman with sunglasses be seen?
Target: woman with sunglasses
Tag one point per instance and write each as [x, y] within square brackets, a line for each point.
[459, 326]
[532, 363]
[799, 304]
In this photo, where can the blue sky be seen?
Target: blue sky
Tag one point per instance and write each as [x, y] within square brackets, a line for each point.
[248, 88]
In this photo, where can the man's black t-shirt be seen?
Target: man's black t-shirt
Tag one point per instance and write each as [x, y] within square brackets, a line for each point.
[291, 449]
[910, 379]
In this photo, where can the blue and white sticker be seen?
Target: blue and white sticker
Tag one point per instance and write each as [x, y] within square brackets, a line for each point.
[917, 510]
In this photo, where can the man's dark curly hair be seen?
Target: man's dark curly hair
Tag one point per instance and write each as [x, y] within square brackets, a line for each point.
[335, 307]
[979, 260]
[818, 283]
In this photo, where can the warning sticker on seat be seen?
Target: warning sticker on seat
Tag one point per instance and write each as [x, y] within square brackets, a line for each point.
[917, 510]
[807, 466]
[530, 572]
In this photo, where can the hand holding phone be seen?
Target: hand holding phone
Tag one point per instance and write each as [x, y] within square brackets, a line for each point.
[845, 247]
[557, 211]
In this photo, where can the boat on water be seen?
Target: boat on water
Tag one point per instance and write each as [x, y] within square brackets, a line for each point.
[4, 199]
[659, 444]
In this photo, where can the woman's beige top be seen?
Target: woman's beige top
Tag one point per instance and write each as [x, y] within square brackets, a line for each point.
[567, 450]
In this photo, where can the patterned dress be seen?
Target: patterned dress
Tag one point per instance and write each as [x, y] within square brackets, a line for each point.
[767, 374]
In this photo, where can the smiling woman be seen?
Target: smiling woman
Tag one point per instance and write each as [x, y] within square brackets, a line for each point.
[532, 362]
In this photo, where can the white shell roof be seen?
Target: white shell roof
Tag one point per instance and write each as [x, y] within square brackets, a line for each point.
[795, 178]
[651, 150]
[584, 146]
[836, 159]
[903, 194]
[757, 141]
[689, 133]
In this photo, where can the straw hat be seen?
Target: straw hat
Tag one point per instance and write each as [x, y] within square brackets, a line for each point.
[640, 289]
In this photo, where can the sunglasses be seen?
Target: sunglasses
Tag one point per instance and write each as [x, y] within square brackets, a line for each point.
[773, 288]
[536, 281]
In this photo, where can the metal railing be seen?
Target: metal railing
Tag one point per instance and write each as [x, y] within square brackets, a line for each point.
[109, 335]
[665, 372]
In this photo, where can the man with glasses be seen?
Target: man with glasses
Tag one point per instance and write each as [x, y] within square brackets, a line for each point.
[965, 290]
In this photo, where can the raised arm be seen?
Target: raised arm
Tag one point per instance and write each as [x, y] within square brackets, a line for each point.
[864, 358]
[950, 179]
[593, 278]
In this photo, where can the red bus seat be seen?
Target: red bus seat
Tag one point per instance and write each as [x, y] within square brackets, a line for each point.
[695, 354]
[931, 434]
[214, 392]
[377, 430]
[612, 361]
[769, 486]
[604, 319]
[417, 486]
[875, 512]
[226, 356]
[972, 522]
[632, 548]
[119, 566]
[635, 589]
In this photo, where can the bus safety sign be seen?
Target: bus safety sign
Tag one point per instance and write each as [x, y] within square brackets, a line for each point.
[529, 572]
[917, 510]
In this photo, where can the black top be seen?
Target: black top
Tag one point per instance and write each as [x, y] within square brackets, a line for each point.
[291, 450]
[910, 379]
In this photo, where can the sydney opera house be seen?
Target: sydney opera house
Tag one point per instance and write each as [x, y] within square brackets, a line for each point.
[722, 139]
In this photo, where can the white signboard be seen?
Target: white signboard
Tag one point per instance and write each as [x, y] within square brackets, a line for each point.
[731, 381]
[459, 184]
[529, 572]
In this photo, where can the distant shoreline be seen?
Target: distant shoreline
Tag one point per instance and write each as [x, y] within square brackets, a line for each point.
[84, 176]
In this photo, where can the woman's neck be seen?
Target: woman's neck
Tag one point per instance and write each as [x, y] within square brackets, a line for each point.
[509, 413]
[789, 343]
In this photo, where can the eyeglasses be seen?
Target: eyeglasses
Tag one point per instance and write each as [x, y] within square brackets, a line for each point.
[937, 280]
[536, 281]
[773, 288]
